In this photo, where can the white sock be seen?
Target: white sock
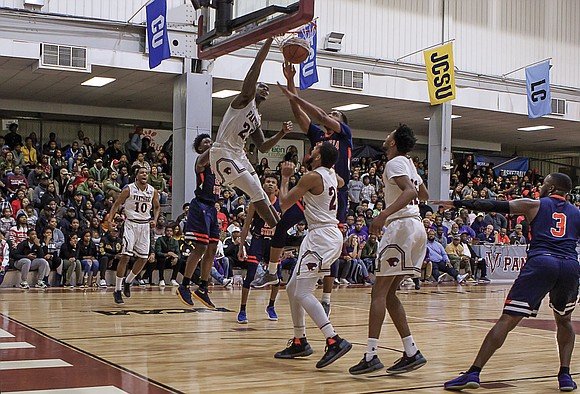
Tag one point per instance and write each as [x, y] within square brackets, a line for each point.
[409, 345]
[328, 330]
[273, 268]
[300, 332]
[372, 347]
[326, 297]
[130, 277]
[118, 283]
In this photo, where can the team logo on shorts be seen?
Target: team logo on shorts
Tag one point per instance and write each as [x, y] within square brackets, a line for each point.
[228, 170]
[311, 266]
[393, 261]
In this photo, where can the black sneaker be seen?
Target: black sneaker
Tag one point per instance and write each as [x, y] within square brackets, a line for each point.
[118, 297]
[407, 364]
[265, 280]
[202, 296]
[365, 366]
[336, 347]
[297, 347]
[184, 295]
[126, 289]
[326, 307]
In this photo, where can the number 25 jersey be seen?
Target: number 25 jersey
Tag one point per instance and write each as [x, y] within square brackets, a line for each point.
[139, 203]
[236, 126]
[320, 209]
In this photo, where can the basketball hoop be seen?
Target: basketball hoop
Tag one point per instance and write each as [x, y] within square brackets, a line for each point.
[295, 45]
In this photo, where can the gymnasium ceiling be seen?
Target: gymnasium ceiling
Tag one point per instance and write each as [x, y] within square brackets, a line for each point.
[141, 90]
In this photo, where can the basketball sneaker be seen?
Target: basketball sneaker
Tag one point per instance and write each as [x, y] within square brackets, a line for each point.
[326, 307]
[242, 319]
[442, 277]
[566, 383]
[265, 280]
[365, 366]
[463, 381]
[184, 295]
[461, 278]
[336, 347]
[271, 313]
[297, 347]
[203, 297]
[407, 364]
[126, 289]
[118, 297]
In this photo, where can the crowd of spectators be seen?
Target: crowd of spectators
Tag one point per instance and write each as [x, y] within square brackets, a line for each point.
[54, 201]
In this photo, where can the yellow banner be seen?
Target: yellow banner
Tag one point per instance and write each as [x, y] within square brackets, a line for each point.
[440, 73]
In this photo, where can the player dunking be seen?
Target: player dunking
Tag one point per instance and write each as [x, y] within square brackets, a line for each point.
[259, 249]
[137, 198]
[340, 135]
[201, 226]
[227, 155]
[319, 249]
[552, 267]
[400, 252]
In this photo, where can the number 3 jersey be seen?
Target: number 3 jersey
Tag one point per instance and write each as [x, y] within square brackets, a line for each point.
[555, 229]
[139, 204]
[236, 126]
[320, 209]
[396, 167]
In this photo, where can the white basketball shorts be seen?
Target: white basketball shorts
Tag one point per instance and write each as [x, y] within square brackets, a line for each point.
[234, 168]
[402, 248]
[136, 239]
[319, 249]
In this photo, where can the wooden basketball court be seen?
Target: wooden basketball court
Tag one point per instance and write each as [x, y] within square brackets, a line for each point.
[153, 344]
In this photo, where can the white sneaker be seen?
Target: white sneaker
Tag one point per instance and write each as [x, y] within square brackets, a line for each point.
[174, 282]
[24, 285]
[471, 280]
[343, 281]
[441, 277]
[227, 282]
[161, 283]
[40, 285]
[103, 283]
[461, 278]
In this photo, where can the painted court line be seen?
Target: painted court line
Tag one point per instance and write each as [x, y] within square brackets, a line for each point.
[23, 364]
[5, 334]
[15, 345]
[80, 390]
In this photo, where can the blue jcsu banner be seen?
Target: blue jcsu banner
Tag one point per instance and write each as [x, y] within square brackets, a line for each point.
[157, 33]
[308, 72]
[538, 87]
[504, 166]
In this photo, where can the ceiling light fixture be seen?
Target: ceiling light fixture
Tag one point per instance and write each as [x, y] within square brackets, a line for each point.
[535, 128]
[98, 81]
[225, 93]
[350, 107]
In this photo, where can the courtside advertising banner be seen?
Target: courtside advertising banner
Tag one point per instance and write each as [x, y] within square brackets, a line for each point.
[538, 87]
[308, 72]
[157, 38]
[440, 73]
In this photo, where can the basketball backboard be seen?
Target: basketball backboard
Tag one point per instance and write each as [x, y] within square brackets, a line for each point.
[228, 25]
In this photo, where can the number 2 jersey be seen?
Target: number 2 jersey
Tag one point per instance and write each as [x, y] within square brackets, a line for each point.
[320, 209]
[555, 229]
[396, 167]
[139, 203]
[236, 126]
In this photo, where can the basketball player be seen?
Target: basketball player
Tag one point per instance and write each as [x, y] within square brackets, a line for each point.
[400, 253]
[201, 226]
[552, 267]
[259, 249]
[227, 155]
[319, 249]
[339, 134]
[137, 199]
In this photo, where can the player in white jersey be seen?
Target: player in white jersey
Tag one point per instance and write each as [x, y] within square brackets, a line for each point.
[137, 198]
[319, 249]
[400, 252]
[228, 156]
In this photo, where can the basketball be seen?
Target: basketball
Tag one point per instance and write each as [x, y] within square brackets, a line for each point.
[296, 50]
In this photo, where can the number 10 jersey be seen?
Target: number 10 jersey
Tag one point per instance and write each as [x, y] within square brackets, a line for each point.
[139, 204]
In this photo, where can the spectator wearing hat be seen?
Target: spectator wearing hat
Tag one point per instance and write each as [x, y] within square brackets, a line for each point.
[39, 191]
[13, 138]
[478, 224]
[14, 181]
[232, 247]
[517, 237]
[29, 153]
[99, 172]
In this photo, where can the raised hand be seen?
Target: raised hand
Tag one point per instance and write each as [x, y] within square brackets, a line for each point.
[287, 127]
[289, 71]
[287, 169]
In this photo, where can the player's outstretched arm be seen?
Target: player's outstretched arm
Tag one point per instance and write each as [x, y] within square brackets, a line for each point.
[521, 206]
[314, 112]
[409, 193]
[263, 144]
[249, 87]
[308, 182]
[156, 208]
[301, 117]
[118, 203]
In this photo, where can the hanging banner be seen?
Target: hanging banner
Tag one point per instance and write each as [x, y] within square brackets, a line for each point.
[157, 38]
[440, 73]
[308, 72]
[538, 87]
[504, 166]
